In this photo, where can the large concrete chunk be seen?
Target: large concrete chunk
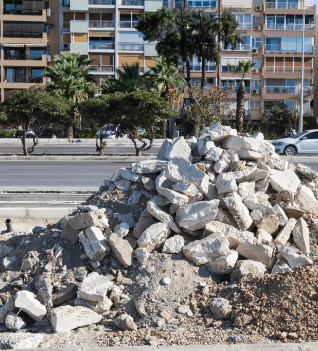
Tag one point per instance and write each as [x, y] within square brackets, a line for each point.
[201, 142]
[269, 223]
[260, 253]
[280, 214]
[188, 189]
[294, 257]
[247, 175]
[278, 163]
[94, 243]
[207, 249]
[217, 132]
[164, 150]
[241, 143]
[121, 249]
[226, 186]
[223, 265]
[306, 200]
[306, 171]
[284, 180]
[174, 245]
[82, 221]
[20, 340]
[249, 155]
[128, 174]
[148, 166]
[148, 183]
[162, 216]
[25, 300]
[195, 216]
[94, 287]
[14, 322]
[284, 234]
[233, 235]
[66, 318]
[246, 268]
[246, 189]
[154, 237]
[213, 154]
[301, 236]
[238, 210]
[181, 149]
[179, 170]
[145, 221]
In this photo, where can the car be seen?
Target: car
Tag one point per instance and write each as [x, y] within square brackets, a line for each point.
[20, 133]
[302, 143]
[49, 133]
[109, 132]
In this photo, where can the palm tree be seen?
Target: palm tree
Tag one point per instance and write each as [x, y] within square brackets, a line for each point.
[128, 80]
[70, 78]
[164, 76]
[243, 68]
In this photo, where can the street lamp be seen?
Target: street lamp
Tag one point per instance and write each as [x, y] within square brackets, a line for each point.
[301, 110]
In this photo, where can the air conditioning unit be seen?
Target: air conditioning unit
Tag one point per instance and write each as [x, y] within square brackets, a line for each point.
[49, 59]
[66, 46]
[255, 91]
[255, 70]
[48, 12]
[255, 51]
[48, 80]
[258, 27]
[259, 8]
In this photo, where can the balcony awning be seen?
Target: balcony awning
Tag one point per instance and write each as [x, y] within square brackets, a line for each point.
[36, 45]
[13, 45]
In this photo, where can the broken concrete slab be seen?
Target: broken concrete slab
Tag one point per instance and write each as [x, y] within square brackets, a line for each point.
[162, 216]
[142, 254]
[248, 268]
[148, 166]
[94, 243]
[123, 185]
[269, 223]
[280, 214]
[154, 236]
[20, 340]
[188, 189]
[294, 257]
[174, 245]
[83, 220]
[135, 198]
[148, 183]
[213, 154]
[259, 252]
[284, 180]
[145, 221]
[64, 295]
[306, 171]
[223, 265]
[70, 234]
[164, 150]
[306, 200]
[226, 186]
[284, 234]
[128, 174]
[26, 301]
[301, 236]
[14, 322]
[94, 287]
[122, 229]
[263, 237]
[218, 132]
[181, 149]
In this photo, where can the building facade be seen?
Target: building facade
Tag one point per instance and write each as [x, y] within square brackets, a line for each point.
[103, 30]
[28, 39]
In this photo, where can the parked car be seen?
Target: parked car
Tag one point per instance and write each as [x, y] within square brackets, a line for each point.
[302, 143]
[20, 133]
[109, 132]
[48, 133]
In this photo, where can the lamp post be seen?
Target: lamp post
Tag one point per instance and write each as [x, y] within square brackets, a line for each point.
[301, 110]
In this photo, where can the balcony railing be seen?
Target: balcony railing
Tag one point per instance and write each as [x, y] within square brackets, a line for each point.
[101, 24]
[101, 46]
[133, 2]
[130, 47]
[101, 2]
[22, 12]
[291, 26]
[278, 48]
[23, 80]
[287, 90]
[245, 26]
[125, 24]
[226, 89]
[16, 57]
[240, 47]
[202, 3]
[282, 5]
[210, 67]
[284, 69]
[102, 68]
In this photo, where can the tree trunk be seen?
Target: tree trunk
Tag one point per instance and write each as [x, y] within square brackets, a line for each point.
[69, 131]
[163, 124]
[240, 107]
[24, 145]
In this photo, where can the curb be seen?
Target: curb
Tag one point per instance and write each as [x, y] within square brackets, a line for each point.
[63, 142]
[307, 346]
[77, 158]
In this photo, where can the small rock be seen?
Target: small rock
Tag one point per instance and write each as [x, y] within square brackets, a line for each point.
[125, 322]
[221, 308]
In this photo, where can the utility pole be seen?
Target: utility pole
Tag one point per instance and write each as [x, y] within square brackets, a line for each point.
[301, 110]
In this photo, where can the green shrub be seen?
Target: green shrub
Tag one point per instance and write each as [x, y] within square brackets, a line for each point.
[310, 122]
[87, 133]
[156, 136]
[61, 135]
[6, 133]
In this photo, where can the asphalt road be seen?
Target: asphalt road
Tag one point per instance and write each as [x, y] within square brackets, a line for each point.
[56, 175]
[62, 175]
[73, 148]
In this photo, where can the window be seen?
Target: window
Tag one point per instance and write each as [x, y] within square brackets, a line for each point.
[37, 72]
[313, 135]
[256, 43]
[257, 63]
[255, 84]
[36, 54]
[257, 21]
[226, 83]
[66, 3]
[234, 61]
[244, 20]
[240, 46]
[255, 105]
[288, 44]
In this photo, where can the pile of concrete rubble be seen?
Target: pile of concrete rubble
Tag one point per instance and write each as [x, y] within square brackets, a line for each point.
[225, 201]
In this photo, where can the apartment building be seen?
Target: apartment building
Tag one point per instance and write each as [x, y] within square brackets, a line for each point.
[28, 39]
[104, 31]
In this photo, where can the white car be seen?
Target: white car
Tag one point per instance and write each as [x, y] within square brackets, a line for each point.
[302, 143]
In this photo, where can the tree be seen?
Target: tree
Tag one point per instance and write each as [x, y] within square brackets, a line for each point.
[285, 118]
[32, 107]
[70, 79]
[101, 110]
[128, 80]
[140, 108]
[243, 68]
[211, 105]
[164, 76]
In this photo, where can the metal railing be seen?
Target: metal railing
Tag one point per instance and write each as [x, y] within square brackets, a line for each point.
[245, 26]
[278, 48]
[209, 67]
[101, 2]
[22, 12]
[102, 68]
[130, 47]
[101, 24]
[287, 90]
[22, 34]
[282, 5]
[284, 69]
[133, 2]
[226, 89]
[101, 46]
[126, 24]
[17, 56]
[240, 47]
[291, 26]
[23, 79]
[203, 3]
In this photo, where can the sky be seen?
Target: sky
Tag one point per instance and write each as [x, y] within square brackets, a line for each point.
[316, 3]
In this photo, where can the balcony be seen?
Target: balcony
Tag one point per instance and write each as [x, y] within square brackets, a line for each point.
[23, 79]
[226, 89]
[126, 24]
[101, 24]
[287, 90]
[23, 12]
[132, 2]
[102, 2]
[202, 3]
[282, 5]
[240, 47]
[278, 48]
[130, 47]
[245, 26]
[102, 68]
[210, 67]
[289, 27]
[289, 69]
[101, 46]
